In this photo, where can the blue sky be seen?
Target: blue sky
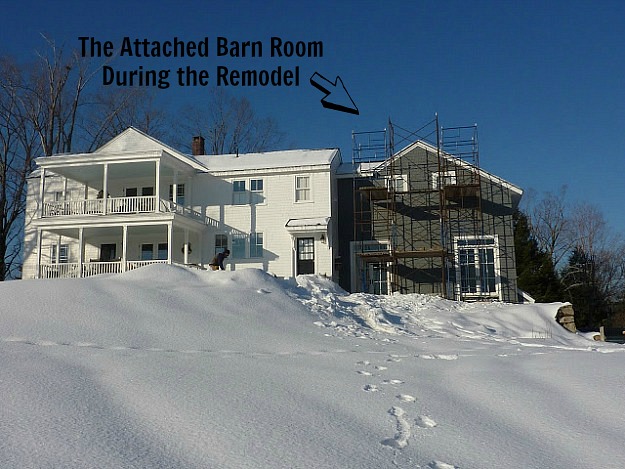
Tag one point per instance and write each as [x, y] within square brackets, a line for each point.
[544, 81]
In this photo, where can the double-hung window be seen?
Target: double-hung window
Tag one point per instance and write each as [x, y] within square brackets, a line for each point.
[179, 194]
[240, 195]
[257, 191]
[302, 188]
[477, 267]
[256, 245]
[238, 246]
[221, 243]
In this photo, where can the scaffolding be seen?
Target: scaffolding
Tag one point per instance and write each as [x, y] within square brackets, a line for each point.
[412, 205]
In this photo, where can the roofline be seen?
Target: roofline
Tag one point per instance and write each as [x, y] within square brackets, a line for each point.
[428, 146]
[172, 151]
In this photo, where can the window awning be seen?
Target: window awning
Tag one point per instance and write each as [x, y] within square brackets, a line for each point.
[308, 224]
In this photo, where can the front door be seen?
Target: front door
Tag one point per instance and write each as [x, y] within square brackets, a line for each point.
[378, 279]
[108, 252]
[305, 256]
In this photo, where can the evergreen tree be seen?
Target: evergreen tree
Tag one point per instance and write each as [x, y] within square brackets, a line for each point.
[583, 291]
[535, 270]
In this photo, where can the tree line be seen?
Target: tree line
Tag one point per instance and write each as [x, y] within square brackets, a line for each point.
[568, 252]
[54, 104]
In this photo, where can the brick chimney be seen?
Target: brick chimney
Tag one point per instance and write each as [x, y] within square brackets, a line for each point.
[197, 147]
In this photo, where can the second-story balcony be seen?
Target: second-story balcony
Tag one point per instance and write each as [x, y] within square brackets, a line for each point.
[118, 206]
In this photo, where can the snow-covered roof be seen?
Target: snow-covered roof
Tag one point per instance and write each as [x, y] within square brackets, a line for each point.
[267, 160]
[307, 223]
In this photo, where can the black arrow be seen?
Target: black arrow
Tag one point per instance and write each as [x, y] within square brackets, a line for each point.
[340, 98]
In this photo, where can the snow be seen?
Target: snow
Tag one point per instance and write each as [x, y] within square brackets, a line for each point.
[175, 368]
[267, 160]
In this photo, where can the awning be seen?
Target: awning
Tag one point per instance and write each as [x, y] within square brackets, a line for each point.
[309, 225]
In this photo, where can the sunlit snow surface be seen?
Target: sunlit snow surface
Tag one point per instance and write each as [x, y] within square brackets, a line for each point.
[165, 367]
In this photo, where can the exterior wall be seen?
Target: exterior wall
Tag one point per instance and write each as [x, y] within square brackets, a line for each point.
[415, 225]
[269, 217]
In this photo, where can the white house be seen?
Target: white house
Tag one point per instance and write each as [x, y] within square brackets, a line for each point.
[137, 201]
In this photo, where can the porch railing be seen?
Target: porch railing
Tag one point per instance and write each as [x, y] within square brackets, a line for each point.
[89, 269]
[117, 205]
[120, 206]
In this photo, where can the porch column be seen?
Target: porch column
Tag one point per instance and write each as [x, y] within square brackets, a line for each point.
[170, 236]
[105, 188]
[42, 189]
[157, 186]
[174, 188]
[39, 236]
[124, 246]
[81, 249]
[200, 253]
[186, 246]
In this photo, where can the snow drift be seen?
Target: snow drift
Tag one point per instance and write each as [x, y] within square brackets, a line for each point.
[169, 367]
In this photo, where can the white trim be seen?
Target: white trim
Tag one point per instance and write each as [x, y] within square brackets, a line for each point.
[478, 294]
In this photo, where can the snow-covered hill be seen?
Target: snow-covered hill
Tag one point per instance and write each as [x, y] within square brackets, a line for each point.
[165, 367]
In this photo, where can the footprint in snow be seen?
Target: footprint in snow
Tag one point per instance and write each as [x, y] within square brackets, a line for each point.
[364, 373]
[370, 388]
[262, 290]
[425, 422]
[400, 440]
[392, 381]
[406, 398]
[441, 465]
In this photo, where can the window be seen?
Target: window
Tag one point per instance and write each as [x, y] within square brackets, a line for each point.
[147, 253]
[131, 192]
[59, 196]
[179, 194]
[162, 252]
[59, 253]
[444, 178]
[397, 183]
[257, 191]
[256, 245]
[238, 247]
[302, 188]
[240, 194]
[221, 243]
[145, 191]
[477, 266]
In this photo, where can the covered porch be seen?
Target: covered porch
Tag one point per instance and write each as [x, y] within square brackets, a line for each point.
[85, 251]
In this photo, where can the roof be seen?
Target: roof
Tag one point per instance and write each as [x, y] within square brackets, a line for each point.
[267, 160]
[130, 144]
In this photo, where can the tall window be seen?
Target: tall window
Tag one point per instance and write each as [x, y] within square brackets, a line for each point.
[221, 243]
[302, 188]
[59, 253]
[147, 252]
[256, 245]
[477, 265]
[238, 247]
[162, 252]
[240, 194]
[179, 194]
[257, 191]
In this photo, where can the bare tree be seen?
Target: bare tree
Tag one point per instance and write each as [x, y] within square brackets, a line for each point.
[551, 226]
[113, 110]
[44, 110]
[230, 125]
[18, 145]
